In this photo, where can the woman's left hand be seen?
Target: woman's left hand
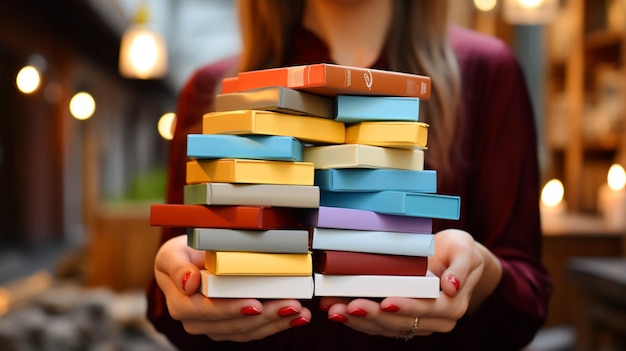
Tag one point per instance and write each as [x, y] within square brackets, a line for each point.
[468, 274]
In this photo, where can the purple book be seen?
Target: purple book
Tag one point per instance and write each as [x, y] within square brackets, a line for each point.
[347, 218]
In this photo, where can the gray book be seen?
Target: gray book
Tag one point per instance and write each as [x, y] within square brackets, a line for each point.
[272, 241]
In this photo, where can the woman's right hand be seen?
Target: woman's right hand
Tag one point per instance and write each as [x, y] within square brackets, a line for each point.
[177, 271]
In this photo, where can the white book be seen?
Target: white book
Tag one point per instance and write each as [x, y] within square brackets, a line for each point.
[376, 286]
[259, 287]
[273, 241]
[382, 242]
[363, 156]
[278, 195]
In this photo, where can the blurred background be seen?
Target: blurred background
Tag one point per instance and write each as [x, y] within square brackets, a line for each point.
[85, 120]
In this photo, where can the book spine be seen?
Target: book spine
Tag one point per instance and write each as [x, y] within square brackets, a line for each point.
[388, 134]
[355, 108]
[376, 286]
[258, 263]
[360, 263]
[396, 203]
[260, 147]
[279, 195]
[393, 243]
[341, 180]
[270, 241]
[250, 171]
[363, 156]
[260, 287]
[348, 218]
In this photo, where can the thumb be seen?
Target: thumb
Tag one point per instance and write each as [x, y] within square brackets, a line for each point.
[179, 264]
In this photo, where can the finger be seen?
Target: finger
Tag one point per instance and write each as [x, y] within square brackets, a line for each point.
[181, 263]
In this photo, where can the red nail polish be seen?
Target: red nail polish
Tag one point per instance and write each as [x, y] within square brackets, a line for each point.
[287, 311]
[324, 308]
[299, 321]
[185, 278]
[390, 308]
[250, 311]
[338, 318]
[358, 312]
[455, 282]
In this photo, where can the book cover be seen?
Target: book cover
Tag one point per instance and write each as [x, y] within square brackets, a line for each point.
[234, 217]
[363, 156]
[356, 180]
[305, 128]
[280, 195]
[388, 134]
[258, 263]
[332, 80]
[380, 242]
[260, 147]
[349, 218]
[354, 108]
[258, 287]
[225, 239]
[277, 99]
[376, 286]
[397, 203]
[361, 263]
[249, 171]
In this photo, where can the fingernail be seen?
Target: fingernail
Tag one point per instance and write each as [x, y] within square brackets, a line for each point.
[324, 308]
[287, 311]
[358, 312]
[390, 308]
[455, 282]
[185, 278]
[299, 321]
[338, 318]
[250, 311]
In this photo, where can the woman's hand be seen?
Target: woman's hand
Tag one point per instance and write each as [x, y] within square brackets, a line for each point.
[468, 275]
[177, 272]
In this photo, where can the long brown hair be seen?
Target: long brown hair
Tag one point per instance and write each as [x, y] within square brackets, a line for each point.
[417, 43]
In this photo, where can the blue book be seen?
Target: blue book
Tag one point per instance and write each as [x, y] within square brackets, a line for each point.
[380, 242]
[362, 179]
[396, 202]
[355, 108]
[258, 147]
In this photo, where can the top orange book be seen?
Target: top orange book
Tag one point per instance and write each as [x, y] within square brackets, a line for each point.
[331, 80]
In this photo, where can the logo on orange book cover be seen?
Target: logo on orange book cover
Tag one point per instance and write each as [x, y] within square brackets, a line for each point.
[369, 79]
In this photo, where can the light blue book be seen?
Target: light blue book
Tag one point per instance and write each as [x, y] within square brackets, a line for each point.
[371, 241]
[355, 108]
[396, 202]
[362, 179]
[258, 147]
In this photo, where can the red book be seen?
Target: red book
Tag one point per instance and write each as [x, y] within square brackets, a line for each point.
[360, 263]
[332, 80]
[234, 217]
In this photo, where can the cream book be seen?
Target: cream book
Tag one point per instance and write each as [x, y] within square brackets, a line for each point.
[277, 195]
[258, 263]
[388, 134]
[250, 171]
[377, 286]
[305, 128]
[363, 156]
[257, 287]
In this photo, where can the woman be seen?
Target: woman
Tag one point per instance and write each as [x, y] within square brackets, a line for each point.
[481, 142]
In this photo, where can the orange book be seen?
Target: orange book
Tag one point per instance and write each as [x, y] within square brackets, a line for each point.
[332, 80]
[233, 217]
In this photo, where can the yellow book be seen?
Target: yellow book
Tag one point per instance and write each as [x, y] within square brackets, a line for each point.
[306, 128]
[232, 170]
[388, 134]
[258, 263]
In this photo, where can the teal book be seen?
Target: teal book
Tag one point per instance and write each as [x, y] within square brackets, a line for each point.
[396, 202]
[358, 108]
[258, 147]
[363, 179]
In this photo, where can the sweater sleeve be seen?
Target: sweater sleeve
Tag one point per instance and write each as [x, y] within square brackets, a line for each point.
[501, 195]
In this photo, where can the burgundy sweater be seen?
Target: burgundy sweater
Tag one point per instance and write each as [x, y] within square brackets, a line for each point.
[498, 182]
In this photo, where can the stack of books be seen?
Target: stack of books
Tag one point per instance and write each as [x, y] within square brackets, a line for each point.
[330, 161]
